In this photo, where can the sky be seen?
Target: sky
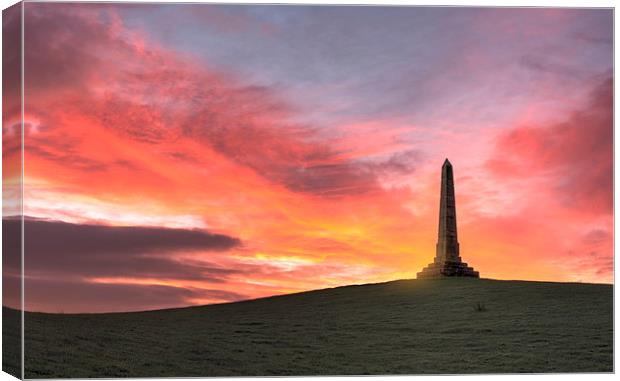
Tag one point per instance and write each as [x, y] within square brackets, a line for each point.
[189, 154]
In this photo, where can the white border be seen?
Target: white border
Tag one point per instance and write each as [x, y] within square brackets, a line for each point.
[483, 3]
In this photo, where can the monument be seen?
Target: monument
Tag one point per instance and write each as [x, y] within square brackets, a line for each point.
[447, 258]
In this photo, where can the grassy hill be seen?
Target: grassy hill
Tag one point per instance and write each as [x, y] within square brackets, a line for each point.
[401, 327]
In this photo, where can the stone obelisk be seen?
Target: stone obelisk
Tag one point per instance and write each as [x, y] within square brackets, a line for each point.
[447, 257]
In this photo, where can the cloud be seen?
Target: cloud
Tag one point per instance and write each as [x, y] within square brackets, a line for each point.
[399, 163]
[11, 62]
[547, 65]
[596, 236]
[322, 150]
[559, 178]
[43, 295]
[582, 36]
[595, 253]
[155, 97]
[82, 251]
[67, 157]
[574, 156]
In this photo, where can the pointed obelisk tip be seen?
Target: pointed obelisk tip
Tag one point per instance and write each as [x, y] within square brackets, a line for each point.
[447, 163]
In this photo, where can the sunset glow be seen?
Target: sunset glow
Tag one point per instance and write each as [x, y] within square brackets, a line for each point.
[282, 149]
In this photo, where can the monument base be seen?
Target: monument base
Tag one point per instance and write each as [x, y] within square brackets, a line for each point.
[445, 269]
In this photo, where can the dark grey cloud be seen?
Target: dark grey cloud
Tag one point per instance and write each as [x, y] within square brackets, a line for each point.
[72, 296]
[69, 157]
[399, 163]
[327, 180]
[342, 177]
[74, 251]
[549, 64]
[596, 236]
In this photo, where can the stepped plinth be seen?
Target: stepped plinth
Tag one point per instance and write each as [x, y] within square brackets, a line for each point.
[438, 270]
[447, 258]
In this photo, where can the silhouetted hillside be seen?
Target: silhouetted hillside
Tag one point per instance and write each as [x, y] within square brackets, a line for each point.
[401, 327]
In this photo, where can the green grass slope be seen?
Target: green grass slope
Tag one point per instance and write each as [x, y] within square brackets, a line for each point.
[401, 327]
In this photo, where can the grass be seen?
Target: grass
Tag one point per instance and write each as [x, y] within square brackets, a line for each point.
[401, 327]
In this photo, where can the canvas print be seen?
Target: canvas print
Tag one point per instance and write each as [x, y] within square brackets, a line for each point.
[200, 190]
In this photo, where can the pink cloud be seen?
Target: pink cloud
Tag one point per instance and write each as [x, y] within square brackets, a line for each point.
[574, 155]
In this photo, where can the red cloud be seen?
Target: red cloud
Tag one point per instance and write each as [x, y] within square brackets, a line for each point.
[84, 68]
[563, 174]
[119, 127]
[575, 156]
